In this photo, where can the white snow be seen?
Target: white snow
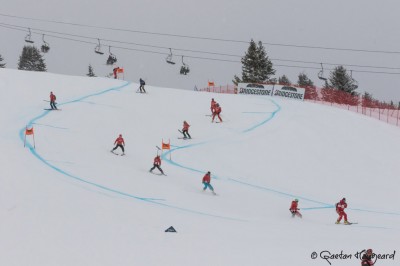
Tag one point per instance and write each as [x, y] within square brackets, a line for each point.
[72, 202]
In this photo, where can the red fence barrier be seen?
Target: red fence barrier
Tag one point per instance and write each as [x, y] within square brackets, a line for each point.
[339, 99]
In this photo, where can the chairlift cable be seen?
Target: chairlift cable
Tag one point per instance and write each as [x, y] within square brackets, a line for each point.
[205, 38]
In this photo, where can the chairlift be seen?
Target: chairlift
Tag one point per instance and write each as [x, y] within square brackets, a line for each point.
[184, 68]
[97, 49]
[45, 46]
[111, 58]
[29, 36]
[321, 74]
[169, 58]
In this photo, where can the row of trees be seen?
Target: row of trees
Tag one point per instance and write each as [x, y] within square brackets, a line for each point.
[258, 68]
[340, 87]
[32, 60]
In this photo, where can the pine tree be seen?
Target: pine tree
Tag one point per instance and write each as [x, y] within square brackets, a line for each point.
[2, 65]
[256, 66]
[31, 59]
[284, 80]
[91, 73]
[341, 80]
[305, 82]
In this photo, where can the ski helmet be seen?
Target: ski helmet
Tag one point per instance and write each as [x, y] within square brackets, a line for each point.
[296, 200]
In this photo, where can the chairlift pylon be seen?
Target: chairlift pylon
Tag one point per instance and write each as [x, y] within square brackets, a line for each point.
[169, 58]
[184, 68]
[28, 37]
[354, 81]
[45, 46]
[111, 58]
[321, 74]
[97, 49]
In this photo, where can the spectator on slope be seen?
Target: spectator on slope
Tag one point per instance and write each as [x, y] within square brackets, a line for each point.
[366, 259]
[340, 206]
[156, 164]
[141, 88]
[119, 142]
[294, 210]
[185, 130]
[52, 101]
[217, 111]
[206, 182]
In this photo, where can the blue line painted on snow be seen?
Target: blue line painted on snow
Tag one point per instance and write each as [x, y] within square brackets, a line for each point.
[59, 170]
[280, 192]
[44, 125]
[278, 108]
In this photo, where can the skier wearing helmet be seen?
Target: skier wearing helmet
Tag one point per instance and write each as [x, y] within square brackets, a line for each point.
[185, 130]
[340, 206]
[206, 182]
[294, 210]
[119, 142]
[217, 111]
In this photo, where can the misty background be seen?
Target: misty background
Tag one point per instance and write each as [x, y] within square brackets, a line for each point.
[361, 35]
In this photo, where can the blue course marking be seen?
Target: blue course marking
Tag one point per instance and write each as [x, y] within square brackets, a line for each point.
[272, 115]
[49, 126]
[282, 193]
[148, 200]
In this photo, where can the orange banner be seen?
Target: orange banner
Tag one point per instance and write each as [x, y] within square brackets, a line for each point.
[29, 131]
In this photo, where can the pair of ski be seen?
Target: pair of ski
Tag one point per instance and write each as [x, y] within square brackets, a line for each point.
[123, 154]
[183, 136]
[347, 223]
[157, 174]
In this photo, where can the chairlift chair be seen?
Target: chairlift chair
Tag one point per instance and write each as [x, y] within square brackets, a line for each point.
[184, 68]
[169, 58]
[28, 37]
[111, 58]
[45, 46]
[321, 74]
[97, 49]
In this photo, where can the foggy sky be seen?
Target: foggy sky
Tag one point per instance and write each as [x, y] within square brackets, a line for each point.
[356, 24]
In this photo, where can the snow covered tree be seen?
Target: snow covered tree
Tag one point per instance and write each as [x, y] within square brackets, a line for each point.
[341, 80]
[91, 73]
[2, 65]
[304, 80]
[31, 59]
[256, 66]
[284, 80]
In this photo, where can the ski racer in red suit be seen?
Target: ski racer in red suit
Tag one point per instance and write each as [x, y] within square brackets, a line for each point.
[156, 164]
[185, 130]
[294, 210]
[217, 111]
[52, 101]
[340, 206]
[213, 103]
[119, 142]
[206, 182]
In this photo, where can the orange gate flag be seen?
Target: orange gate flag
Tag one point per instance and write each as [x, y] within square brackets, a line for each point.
[165, 146]
[30, 132]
